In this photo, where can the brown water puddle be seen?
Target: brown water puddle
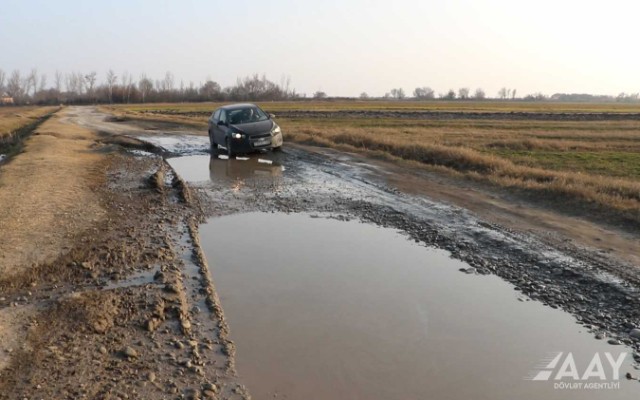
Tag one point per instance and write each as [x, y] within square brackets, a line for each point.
[322, 309]
[202, 168]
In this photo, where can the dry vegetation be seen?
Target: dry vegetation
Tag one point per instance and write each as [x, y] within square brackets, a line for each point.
[585, 164]
[14, 118]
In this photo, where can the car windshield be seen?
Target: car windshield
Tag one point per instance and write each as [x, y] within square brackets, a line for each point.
[246, 115]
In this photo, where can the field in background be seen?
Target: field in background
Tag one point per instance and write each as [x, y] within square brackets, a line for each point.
[14, 118]
[357, 105]
[585, 164]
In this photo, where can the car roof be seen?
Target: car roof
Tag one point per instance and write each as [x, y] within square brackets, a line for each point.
[237, 106]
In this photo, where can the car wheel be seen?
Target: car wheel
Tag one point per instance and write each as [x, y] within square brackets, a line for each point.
[212, 145]
[277, 149]
[228, 145]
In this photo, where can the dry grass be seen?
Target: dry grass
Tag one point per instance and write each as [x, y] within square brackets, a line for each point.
[359, 105]
[13, 118]
[589, 164]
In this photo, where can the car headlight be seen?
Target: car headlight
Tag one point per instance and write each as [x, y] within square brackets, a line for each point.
[237, 135]
[275, 130]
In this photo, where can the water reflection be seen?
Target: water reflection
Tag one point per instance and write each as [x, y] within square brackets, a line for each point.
[240, 171]
[258, 169]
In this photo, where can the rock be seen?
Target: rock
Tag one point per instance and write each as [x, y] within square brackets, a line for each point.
[209, 394]
[101, 326]
[102, 350]
[197, 370]
[635, 333]
[151, 376]
[170, 288]
[152, 324]
[629, 376]
[601, 335]
[130, 352]
[210, 387]
[614, 342]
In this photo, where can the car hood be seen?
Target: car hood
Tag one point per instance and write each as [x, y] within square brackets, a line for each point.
[255, 128]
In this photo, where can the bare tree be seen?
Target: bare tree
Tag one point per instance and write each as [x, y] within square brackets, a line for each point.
[398, 93]
[210, 90]
[513, 94]
[424, 93]
[503, 93]
[32, 82]
[58, 81]
[450, 95]
[364, 96]
[111, 81]
[463, 93]
[127, 85]
[146, 86]
[479, 94]
[15, 86]
[3, 76]
[90, 80]
[74, 83]
[168, 83]
[43, 83]
[319, 95]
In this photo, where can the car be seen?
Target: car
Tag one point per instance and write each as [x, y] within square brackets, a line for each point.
[243, 128]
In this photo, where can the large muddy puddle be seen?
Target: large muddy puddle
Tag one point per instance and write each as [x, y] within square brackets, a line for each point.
[327, 309]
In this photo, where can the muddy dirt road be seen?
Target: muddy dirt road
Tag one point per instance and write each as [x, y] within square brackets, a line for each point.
[311, 274]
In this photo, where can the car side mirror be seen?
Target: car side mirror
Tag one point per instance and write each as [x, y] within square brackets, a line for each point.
[221, 123]
[271, 116]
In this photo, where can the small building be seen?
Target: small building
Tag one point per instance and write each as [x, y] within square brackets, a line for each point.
[6, 100]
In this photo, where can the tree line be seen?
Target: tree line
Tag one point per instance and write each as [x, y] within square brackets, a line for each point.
[506, 94]
[87, 88]
[80, 88]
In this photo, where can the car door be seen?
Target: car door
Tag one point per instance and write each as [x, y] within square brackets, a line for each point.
[213, 124]
[220, 129]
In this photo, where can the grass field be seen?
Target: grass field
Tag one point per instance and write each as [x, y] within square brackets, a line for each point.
[13, 118]
[583, 163]
[359, 105]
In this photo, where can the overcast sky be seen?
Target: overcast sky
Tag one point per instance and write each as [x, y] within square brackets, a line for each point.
[341, 47]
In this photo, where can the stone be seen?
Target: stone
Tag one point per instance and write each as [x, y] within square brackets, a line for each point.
[152, 324]
[210, 386]
[130, 352]
[635, 333]
[209, 394]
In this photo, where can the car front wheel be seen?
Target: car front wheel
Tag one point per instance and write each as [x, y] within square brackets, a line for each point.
[228, 145]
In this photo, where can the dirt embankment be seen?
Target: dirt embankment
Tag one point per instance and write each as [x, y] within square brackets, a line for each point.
[47, 194]
[99, 296]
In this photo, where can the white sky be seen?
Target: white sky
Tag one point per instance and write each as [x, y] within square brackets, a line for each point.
[340, 47]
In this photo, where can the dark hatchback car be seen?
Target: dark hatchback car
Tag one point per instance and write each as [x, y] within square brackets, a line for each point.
[243, 128]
